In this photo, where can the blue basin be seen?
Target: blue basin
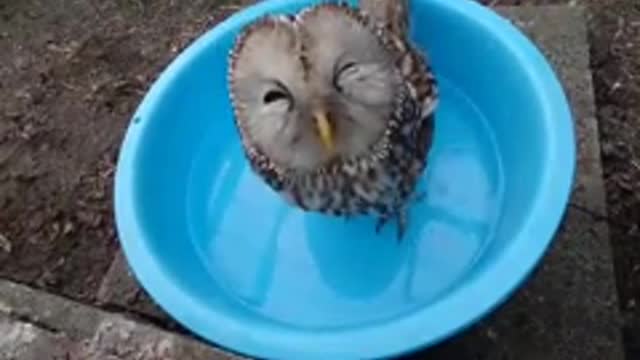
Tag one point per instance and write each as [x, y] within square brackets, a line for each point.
[227, 258]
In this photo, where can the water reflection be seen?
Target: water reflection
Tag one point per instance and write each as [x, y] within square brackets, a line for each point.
[350, 258]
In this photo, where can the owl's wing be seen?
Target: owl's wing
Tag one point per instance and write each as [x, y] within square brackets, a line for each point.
[392, 14]
[420, 78]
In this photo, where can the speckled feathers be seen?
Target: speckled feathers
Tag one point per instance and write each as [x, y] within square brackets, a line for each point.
[382, 106]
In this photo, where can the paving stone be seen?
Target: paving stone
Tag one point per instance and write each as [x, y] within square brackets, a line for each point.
[568, 310]
[23, 341]
[118, 338]
[49, 311]
[39, 326]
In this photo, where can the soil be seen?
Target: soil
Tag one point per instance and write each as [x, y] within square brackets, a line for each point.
[72, 72]
[615, 59]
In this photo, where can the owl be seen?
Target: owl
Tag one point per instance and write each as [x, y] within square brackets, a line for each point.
[335, 108]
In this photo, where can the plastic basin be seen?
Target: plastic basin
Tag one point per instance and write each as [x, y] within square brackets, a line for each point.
[227, 258]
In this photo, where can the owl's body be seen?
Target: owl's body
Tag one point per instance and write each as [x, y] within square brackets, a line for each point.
[336, 108]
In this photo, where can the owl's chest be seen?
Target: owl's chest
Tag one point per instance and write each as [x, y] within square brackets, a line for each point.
[367, 186]
[356, 189]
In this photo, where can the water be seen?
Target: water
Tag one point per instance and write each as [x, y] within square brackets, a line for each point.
[313, 271]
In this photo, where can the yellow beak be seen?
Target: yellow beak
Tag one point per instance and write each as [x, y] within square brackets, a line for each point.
[325, 130]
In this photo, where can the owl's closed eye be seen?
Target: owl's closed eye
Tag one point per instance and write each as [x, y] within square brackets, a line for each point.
[312, 89]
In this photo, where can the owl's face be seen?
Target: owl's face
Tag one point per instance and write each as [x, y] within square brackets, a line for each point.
[312, 88]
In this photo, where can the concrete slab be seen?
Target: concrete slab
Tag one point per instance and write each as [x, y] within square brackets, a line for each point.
[569, 308]
[24, 341]
[119, 289]
[40, 326]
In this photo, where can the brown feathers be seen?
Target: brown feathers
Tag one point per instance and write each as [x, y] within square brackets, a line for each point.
[358, 69]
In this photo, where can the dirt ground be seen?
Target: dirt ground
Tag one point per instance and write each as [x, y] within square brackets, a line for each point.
[72, 72]
[616, 67]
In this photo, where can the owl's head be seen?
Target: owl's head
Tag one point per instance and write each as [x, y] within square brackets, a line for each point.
[310, 88]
